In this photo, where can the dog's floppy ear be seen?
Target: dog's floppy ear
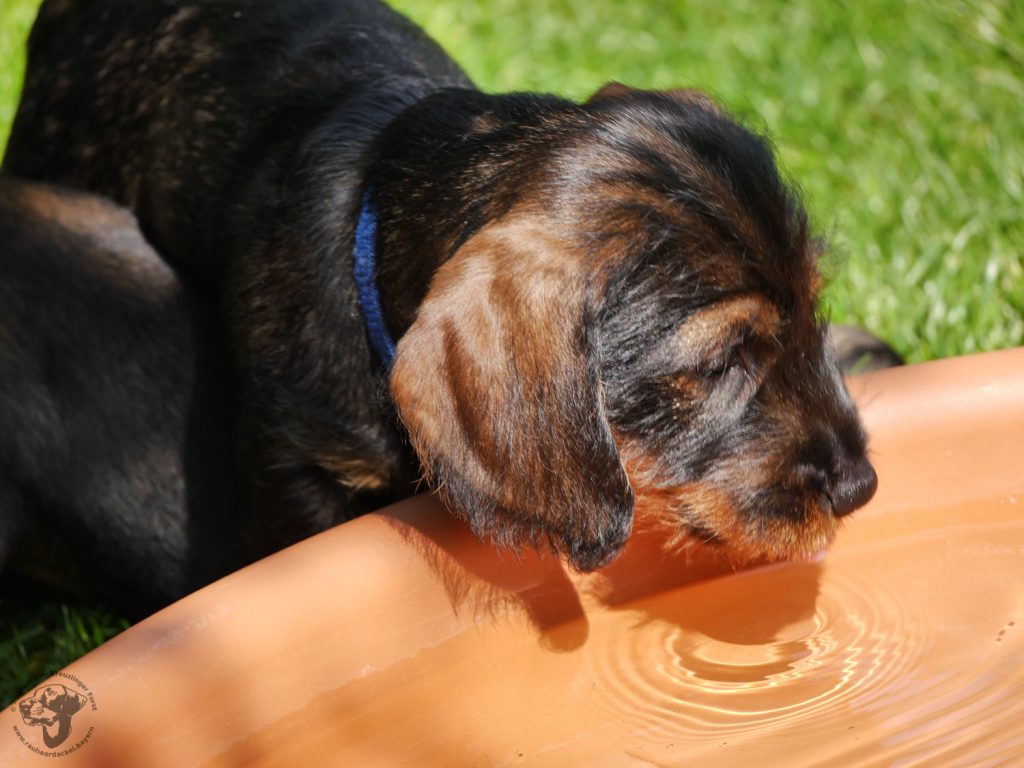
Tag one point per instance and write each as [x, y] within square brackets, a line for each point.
[498, 387]
[612, 90]
[690, 97]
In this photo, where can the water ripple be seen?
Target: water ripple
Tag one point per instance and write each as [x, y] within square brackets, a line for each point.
[899, 648]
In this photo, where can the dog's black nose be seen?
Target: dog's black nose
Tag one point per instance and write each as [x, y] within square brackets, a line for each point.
[854, 488]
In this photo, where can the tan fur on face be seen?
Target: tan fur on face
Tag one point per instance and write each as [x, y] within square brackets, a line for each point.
[707, 511]
[716, 326]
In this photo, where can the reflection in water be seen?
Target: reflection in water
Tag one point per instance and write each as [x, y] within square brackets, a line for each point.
[906, 642]
[757, 662]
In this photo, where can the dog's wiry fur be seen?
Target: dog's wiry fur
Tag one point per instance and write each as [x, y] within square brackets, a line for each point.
[603, 308]
[117, 468]
[645, 322]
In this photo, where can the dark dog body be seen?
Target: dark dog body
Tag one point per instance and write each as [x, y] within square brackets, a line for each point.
[117, 468]
[603, 308]
[216, 126]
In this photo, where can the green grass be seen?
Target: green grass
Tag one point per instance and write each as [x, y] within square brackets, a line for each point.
[40, 633]
[902, 123]
[15, 19]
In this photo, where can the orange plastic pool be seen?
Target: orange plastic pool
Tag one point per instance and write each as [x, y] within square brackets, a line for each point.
[398, 639]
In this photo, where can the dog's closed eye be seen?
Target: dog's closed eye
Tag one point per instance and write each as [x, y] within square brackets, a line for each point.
[732, 338]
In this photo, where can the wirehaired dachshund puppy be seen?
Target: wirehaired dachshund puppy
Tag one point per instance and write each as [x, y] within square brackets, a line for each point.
[117, 458]
[604, 310]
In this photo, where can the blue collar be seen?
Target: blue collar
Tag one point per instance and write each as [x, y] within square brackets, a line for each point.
[364, 255]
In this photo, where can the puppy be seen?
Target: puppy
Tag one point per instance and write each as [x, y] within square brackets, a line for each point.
[603, 309]
[118, 469]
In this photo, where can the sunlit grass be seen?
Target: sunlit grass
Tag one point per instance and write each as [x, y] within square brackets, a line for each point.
[901, 122]
[15, 19]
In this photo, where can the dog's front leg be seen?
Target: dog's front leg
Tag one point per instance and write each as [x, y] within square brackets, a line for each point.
[298, 487]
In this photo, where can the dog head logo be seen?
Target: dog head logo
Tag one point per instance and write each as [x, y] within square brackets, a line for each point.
[52, 708]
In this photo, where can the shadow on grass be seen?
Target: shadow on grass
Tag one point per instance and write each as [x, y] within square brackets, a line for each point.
[43, 630]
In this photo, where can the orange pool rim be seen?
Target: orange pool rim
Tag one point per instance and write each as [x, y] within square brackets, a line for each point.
[399, 639]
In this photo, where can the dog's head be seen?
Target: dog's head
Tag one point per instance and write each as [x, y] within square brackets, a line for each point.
[637, 334]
